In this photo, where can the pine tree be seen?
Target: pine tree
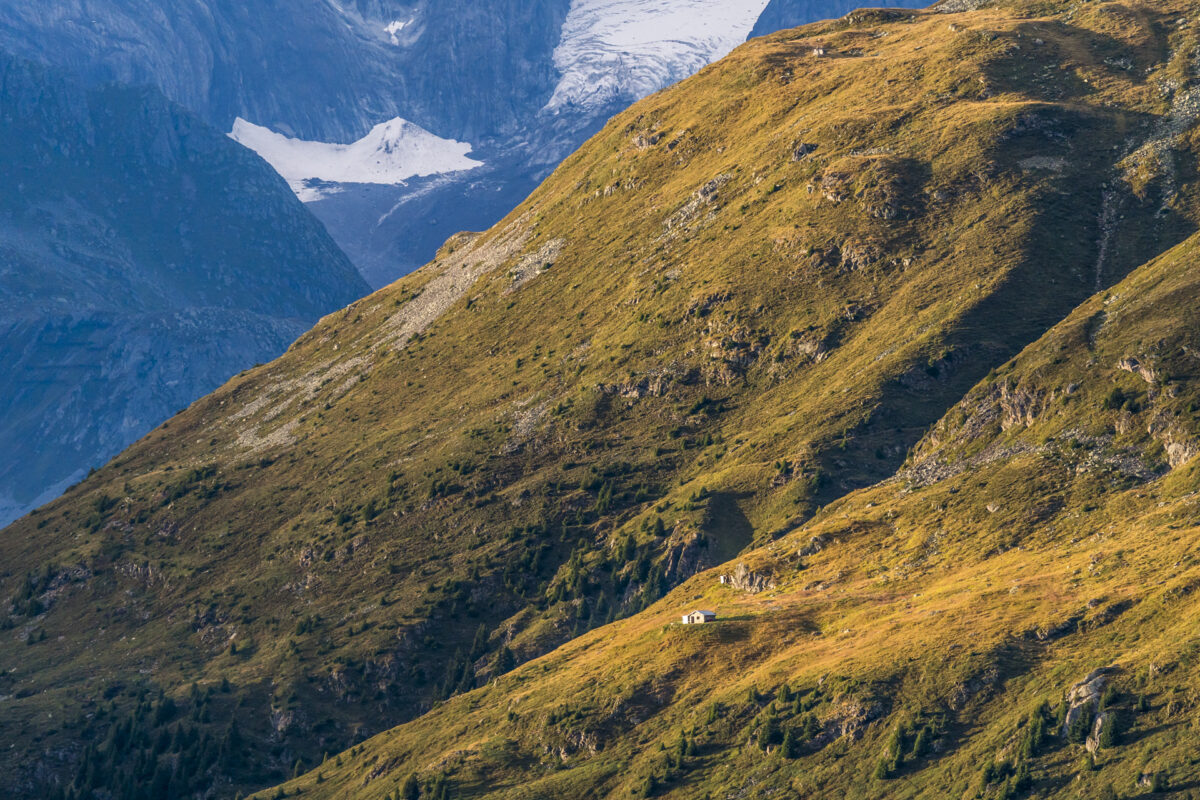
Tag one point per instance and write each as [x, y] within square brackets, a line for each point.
[411, 790]
[1081, 726]
[811, 727]
[628, 549]
[790, 747]
[895, 749]
[1022, 779]
[1110, 730]
[505, 660]
[479, 646]
[923, 742]
[769, 734]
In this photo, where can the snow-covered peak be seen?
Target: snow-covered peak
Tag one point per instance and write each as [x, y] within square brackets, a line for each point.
[614, 50]
[392, 152]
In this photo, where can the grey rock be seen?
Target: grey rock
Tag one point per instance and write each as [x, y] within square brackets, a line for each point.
[1103, 720]
[1085, 696]
[748, 581]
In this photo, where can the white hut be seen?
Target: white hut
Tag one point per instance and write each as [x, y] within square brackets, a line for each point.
[699, 617]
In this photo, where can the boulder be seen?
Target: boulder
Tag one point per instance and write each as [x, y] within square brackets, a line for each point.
[746, 580]
[1085, 695]
[1103, 720]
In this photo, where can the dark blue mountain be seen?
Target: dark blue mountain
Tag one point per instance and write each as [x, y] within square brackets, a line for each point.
[314, 69]
[144, 259]
[523, 81]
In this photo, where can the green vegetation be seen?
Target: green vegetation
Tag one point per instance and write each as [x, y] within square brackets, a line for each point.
[821, 325]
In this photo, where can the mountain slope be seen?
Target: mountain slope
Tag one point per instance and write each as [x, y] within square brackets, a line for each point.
[1032, 566]
[744, 300]
[145, 260]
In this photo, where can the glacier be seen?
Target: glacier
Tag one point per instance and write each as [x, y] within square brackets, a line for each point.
[391, 153]
[622, 50]
[524, 82]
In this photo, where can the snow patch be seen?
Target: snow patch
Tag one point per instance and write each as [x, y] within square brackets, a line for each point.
[390, 154]
[615, 50]
[394, 27]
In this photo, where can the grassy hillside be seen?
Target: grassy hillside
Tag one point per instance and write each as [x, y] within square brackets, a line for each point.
[1024, 546]
[719, 329]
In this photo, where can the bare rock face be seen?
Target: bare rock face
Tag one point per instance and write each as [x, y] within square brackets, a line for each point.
[1085, 696]
[746, 580]
[686, 556]
[1103, 720]
[1137, 367]
[815, 545]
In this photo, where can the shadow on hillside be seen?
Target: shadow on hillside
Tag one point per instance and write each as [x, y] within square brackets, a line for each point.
[728, 530]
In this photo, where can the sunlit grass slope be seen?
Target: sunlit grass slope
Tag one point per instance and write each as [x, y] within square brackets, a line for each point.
[740, 305]
[925, 637]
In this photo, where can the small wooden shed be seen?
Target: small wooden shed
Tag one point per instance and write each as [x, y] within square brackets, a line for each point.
[699, 617]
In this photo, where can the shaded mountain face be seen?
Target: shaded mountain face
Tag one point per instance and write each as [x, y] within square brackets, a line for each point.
[145, 259]
[315, 70]
[523, 83]
[763, 323]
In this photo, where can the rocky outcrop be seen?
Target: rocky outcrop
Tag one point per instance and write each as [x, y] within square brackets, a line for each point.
[1021, 405]
[732, 349]
[1180, 446]
[815, 545]
[655, 384]
[1137, 367]
[699, 208]
[685, 557]
[1104, 720]
[1084, 697]
[878, 184]
[747, 580]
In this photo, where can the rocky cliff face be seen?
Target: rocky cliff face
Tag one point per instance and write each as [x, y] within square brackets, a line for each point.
[524, 82]
[144, 258]
[311, 69]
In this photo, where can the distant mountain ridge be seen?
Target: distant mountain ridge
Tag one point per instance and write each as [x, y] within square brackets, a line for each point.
[144, 258]
[523, 83]
[313, 70]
